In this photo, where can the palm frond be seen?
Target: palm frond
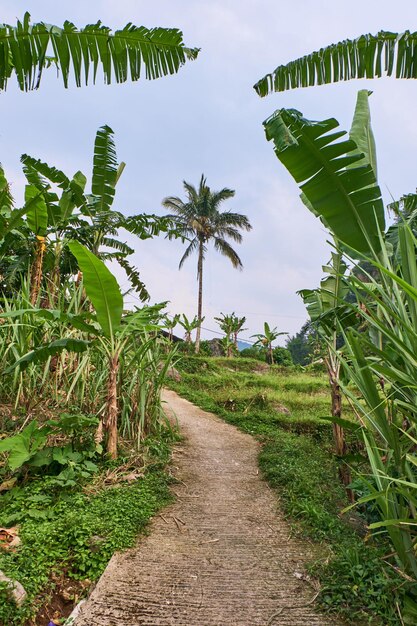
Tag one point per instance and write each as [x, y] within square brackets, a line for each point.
[115, 244]
[222, 246]
[134, 277]
[27, 49]
[190, 249]
[145, 226]
[367, 56]
[174, 204]
[234, 220]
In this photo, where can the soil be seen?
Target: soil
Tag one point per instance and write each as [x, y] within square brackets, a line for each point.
[221, 554]
[58, 604]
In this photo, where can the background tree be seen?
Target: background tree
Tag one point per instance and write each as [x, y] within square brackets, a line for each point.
[231, 325]
[189, 325]
[266, 340]
[199, 220]
[301, 345]
[170, 323]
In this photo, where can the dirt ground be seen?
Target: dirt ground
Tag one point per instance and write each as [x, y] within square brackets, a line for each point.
[221, 554]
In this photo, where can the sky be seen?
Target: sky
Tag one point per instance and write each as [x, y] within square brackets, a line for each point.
[208, 119]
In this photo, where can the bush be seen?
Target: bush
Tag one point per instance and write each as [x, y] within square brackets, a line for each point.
[253, 353]
[282, 356]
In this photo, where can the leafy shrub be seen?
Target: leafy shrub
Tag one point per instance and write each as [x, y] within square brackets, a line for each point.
[253, 353]
[282, 356]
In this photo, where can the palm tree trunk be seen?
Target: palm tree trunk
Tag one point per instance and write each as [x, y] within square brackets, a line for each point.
[200, 296]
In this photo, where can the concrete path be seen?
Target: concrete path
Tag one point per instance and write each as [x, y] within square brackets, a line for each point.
[220, 555]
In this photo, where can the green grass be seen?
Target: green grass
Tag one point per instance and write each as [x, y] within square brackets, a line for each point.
[296, 459]
[76, 532]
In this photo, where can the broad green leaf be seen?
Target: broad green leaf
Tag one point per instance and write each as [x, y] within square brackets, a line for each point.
[126, 54]
[343, 194]
[101, 287]
[361, 131]
[37, 212]
[367, 56]
[42, 353]
[22, 446]
[6, 198]
[105, 168]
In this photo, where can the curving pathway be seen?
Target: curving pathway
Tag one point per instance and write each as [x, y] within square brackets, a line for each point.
[220, 555]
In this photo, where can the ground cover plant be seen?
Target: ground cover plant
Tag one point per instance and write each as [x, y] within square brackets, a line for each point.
[70, 529]
[282, 407]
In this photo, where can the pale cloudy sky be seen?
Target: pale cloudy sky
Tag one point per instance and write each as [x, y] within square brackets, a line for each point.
[208, 119]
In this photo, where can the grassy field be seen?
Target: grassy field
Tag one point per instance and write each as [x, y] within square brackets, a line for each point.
[283, 408]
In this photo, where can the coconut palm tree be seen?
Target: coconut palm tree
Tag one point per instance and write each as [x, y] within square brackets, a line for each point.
[200, 220]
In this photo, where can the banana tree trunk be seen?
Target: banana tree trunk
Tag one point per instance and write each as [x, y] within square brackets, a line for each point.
[37, 270]
[55, 281]
[112, 406]
[200, 296]
[338, 432]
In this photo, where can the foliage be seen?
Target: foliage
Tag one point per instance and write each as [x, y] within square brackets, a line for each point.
[266, 339]
[27, 49]
[281, 356]
[378, 357]
[367, 56]
[72, 531]
[254, 352]
[302, 345]
[231, 325]
[189, 325]
[330, 173]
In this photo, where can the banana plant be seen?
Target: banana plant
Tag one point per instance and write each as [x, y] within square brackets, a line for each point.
[189, 326]
[344, 193]
[105, 295]
[266, 340]
[231, 325]
[170, 323]
[55, 217]
[328, 312]
[108, 329]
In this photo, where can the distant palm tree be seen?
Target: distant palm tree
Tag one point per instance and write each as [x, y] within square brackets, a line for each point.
[200, 221]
